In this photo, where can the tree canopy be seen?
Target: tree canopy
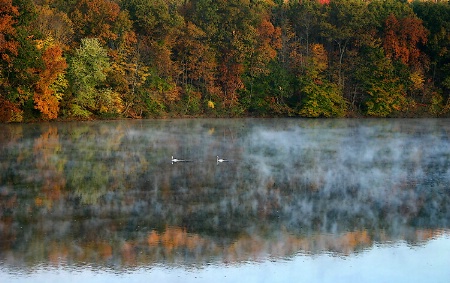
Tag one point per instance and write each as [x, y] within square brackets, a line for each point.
[84, 59]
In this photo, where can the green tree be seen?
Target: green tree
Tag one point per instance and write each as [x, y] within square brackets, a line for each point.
[380, 10]
[384, 92]
[271, 93]
[344, 29]
[306, 19]
[159, 18]
[322, 98]
[436, 19]
[87, 74]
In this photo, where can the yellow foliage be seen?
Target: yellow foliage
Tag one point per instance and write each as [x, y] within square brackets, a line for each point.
[45, 43]
[16, 116]
[320, 57]
[59, 85]
[38, 201]
[210, 104]
[417, 80]
[173, 93]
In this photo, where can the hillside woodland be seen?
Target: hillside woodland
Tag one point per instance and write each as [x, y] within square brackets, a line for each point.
[91, 59]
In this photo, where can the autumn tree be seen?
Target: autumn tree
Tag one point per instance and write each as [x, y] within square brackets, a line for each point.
[128, 71]
[51, 84]
[157, 25]
[8, 45]
[21, 59]
[8, 49]
[96, 18]
[267, 44]
[402, 37]
[197, 67]
[55, 24]
[267, 83]
[128, 74]
[244, 40]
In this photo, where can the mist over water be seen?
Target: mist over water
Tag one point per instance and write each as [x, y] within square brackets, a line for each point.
[107, 194]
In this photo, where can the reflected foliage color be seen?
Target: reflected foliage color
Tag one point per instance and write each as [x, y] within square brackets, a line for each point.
[107, 193]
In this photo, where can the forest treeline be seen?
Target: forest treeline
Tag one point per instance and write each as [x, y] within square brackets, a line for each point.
[83, 59]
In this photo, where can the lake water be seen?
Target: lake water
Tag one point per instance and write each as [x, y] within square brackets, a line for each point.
[298, 201]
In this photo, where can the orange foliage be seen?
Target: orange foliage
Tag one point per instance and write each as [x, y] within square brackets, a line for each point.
[153, 239]
[269, 41]
[52, 185]
[57, 253]
[173, 93]
[402, 39]
[356, 238]
[105, 250]
[231, 80]
[44, 98]
[428, 234]
[96, 18]
[128, 254]
[197, 62]
[173, 238]
[7, 14]
[7, 110]
[319, 57]
[270, 37]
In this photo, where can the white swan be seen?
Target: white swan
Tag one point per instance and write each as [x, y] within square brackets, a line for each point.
[220, 160]
[175, 160]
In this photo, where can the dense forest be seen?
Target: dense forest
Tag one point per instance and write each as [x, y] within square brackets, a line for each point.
[84, 59]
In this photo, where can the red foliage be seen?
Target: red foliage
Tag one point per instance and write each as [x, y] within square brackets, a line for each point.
[324, 2]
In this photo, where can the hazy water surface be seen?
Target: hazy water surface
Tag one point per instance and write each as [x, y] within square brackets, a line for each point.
[317, 200]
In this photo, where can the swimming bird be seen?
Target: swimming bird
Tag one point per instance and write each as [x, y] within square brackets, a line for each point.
[220, 160]
[175, 160]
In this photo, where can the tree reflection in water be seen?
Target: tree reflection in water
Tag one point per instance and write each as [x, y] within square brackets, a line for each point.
[107, 193]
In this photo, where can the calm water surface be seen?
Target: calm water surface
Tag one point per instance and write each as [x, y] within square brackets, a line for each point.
[298, 200]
